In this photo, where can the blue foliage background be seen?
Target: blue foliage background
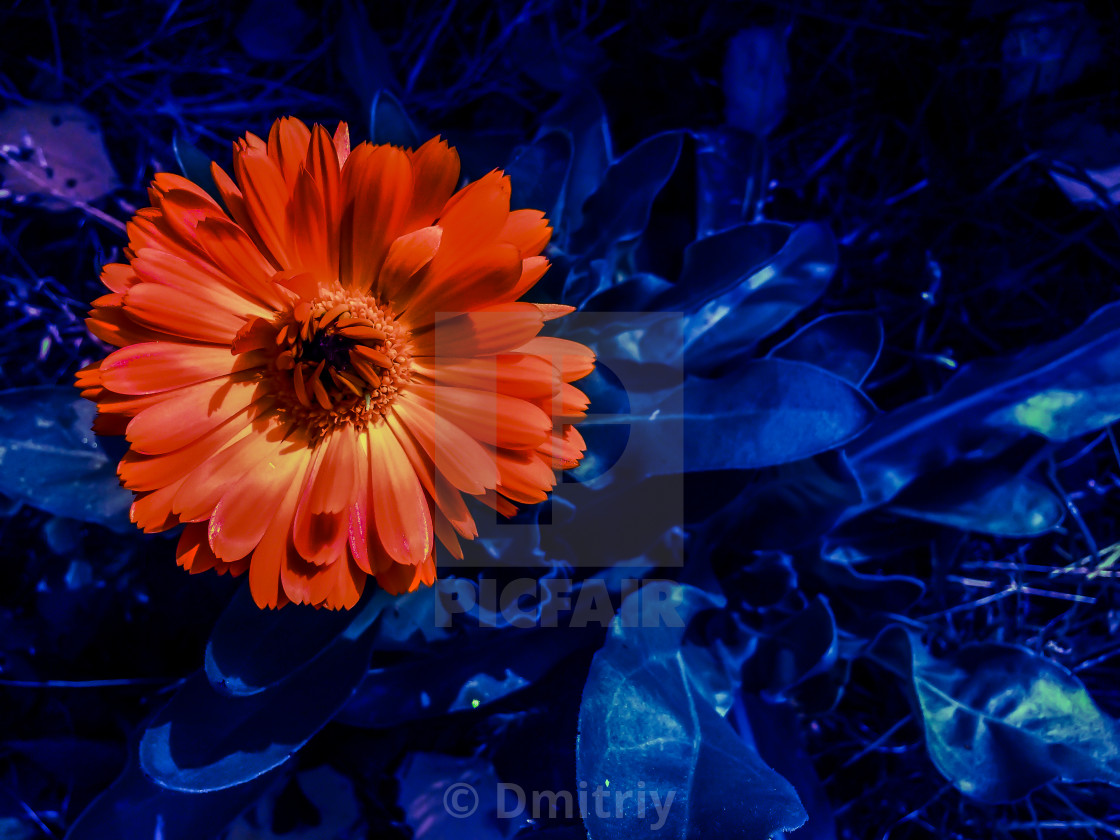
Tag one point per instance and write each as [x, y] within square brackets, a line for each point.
[891, 235]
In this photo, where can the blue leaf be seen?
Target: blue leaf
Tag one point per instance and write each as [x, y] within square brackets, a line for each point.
[50, 459]
[272, 30]
[538, 174]
[195, 167]
[769, 412]
[764, 298]
[445, 798]
[730, 175]
[134, 806]
[251, 649]
[451, 676]
[1059, 391]
[984, 500]
[389, 122]
[1001, 721]
[582, 117]
[803, 646]
[724, 263]
[619, 210]
[206, 740]
[846, 343]
[647, 717]
[362, 58]
[754, 79]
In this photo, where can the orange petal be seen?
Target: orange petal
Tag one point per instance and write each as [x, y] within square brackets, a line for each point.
[266, 201]
[177, 313]
[484, 278]
[323, 164]
[400, 578]
[473, 218]
[494, 329]
[489, 417]
[458, 456]
[435, 172]
[187, 414]
[572, 359]
[271, 556]
[319, 536]
[158, 366]
[287, 146]
[243, 514]
[193, 552]
[528, 230]
[400, 508]
[516, 374]
[402, 272]
[376, 193]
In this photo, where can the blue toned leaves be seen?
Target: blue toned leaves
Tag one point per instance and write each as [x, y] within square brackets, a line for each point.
[619, 209]
[987, 501]
[754, 79]
[730, 168]
[1058, 391]
[646, 718]
[50, 459]
[746, 293]
[803, 646]
[390, 123]
[362, 57]
[243, 655]
[581, 116]
[1001, 720]
[769, 412]
[538, 174]
[846, 343]
[134, 806]
[208, 740]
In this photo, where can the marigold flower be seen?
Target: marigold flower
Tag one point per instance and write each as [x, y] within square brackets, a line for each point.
[312, 381]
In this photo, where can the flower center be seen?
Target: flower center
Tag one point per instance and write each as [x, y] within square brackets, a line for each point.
[343, 359]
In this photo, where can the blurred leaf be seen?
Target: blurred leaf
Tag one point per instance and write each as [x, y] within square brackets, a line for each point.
[1059, 390]
[538, 174]
[134, 806]
[800, 647]
[316, 804]
[754, 79]
[445, 798]
[272, 30]
[645, 718]
[389, 122]
[619, 209]
[786, 506]
[251, 649]
[1001, 721]
[768, 412]
[362, 58]
[733, 260]
[847, 344]
[195, 167]
[54, 153]
[730, 172]
[448, 677]
[580, 115]
[987, 501]
[51, 460]
[1047, 46]
[764, 298]
[862, 602]
[206, 740]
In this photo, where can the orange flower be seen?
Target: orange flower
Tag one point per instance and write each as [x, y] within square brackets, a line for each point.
[312, 381]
